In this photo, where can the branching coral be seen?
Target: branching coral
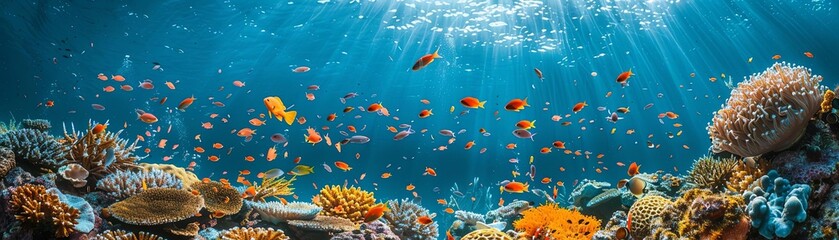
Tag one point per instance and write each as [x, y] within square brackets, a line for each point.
[42, 125]
[469, 218]
[35, 147]
[219, 198]
[745, 173]
[767, 112]
[100, 153]
[557, 223]
[123, 235]
[187, 178]
[34, 207]
[702, 214]
[125, 183]
[86, 218]
[156, 206]
[402, 219]
[238, 233]
[272, 187]
[7, 161]
[775, 205]
[8, 127]
[712, 173]
[276, 212]
[350, 203]
[643, 213]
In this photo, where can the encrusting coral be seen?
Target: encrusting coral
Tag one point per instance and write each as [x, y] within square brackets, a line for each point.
[402, 220]
[775, 205]
[7, 161]
[34, 207]
[101, 153]
[767, 112]
[219, 198]
[124, 235]
[276, 212]
[272, 187]
[156, 206]
[36, 148]
[643, 213]
[712, 173]
[125, 183]
[702, 214]
[349, 203]
[557, 223]
[238, 233]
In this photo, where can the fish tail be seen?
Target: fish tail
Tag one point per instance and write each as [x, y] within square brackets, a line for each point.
[525, 102]
[436, 55]
[533, 124]
[290, 116]
[481, 104]
[531, 137]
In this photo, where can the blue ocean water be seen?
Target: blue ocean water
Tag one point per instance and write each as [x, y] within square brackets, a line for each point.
[54, 50]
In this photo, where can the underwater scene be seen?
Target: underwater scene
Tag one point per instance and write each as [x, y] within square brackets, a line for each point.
[419, 119]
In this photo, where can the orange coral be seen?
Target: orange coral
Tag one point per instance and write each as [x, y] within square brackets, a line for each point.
[33, 206]
[558, 223]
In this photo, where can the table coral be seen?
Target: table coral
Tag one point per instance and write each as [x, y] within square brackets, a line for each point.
[124, 235]
[277, 212]
[156, 206]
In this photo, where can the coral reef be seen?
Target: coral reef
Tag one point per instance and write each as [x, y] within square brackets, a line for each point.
[641, 215]
[156, 206]
[100, 153]
[350, 203]
[615, 228]
[124, 235]
[375, 230]
[487, 234]
[402, 219]
[8, 127]
[277, 212]
[7, 161]
[219, 198]
[712, 173]
[702, 214]
[125, 183]
[272, 187]
[75, 174]
[187, 178]
[35, 148]
[796, 166]
[86, 220]
[767, 112]
[586, 190]
[508, 212]
[775, 205]
[745, 173]
[34, 207]
[469, 218]
[42, 125]
[238, 233]
[557, 223]
[321, 227]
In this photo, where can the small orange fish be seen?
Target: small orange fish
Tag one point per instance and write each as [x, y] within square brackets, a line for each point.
[430, 171]
[102, 77]
[545, 150]
[516, 105]
[218, 146]
[118, 78]
[471, 102]
[634, 169]
[515, 187]
[331, 117]
[343, 166]
[213, 158]
[511, 146]
[424, 220]
[372, 108]
[469, 145]
[425, 113]
[425, 60]
[623, 78]
[375, 212]
[410, 187]
[249, 158]
[559, 144]
[579, 106]
[776, 57]
[808, 54]
[186, 103]
[198, 149]
[256, 122]
[449, 210]
[525, 124]
[546, 180]
[312, 137]
[108, 89]
[98, 128]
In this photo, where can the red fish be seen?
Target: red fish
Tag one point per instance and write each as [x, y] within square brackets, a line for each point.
[624, 77]
[425, 60]
[633, 169]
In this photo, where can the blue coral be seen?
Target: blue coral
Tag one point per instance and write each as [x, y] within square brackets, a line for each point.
[85, 221]
[35, 147]
[125, 183]
[775, 205]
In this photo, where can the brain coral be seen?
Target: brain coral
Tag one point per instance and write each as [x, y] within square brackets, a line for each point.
[156, 206]
[34, 207]
[487, 234]
[643, 213]
[238, 233]
[559, 222]
[402, 219]
[276, 212]
[767, 112]
[35, 147]
[7, 161]
[219, 197]
[125, 183]
[123, 235]
[712, 173]
[101, 153]
[775, 205]
[350, 203]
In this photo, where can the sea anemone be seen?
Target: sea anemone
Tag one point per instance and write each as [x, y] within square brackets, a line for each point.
[556, 222]
[272, 187]
[402, 219]
[767, 112]
[33, 206]
[712, 173]
[156, 206]
[350, 203]
[125, 183]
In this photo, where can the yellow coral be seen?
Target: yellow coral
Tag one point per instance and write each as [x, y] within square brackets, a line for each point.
[349, 203]
[743, 176]
[642, 214]
[123, 235]
[557, 222]
[487, 234]
[827, 102]
[272, 187]
[712, 173]
[702, 214]
[238, 233]
[219, 197]
[187, 178]
[33, 206]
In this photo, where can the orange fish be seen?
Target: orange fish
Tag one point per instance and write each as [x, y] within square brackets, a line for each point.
[256, 122]
[545, 150]
[449, 235]
[310, 96]
[633, 169]
[186, 103]
[351, 128]
[516, 105]
[213, 158]
[331, 117]
[250, 191]
[170, 85]
[430, 171]
[579, 106]
[425, 60]
[375, 212]
[623, 78]
[98, 128]
[343, 166]
[372, 108]
[102, 77]
[118, 78]
[776, 57]
[410, 187]
[312, 137]
[471, 102]
[424, 220]
[515, 187]
[425, 113]
[386, 175]
[277, 109]
[524, 124]
[449, 210]
[469, 145]
[249, 158]
[272, 154]
[198, 149]
[218, 146]
[808, 54]
[246, 132]
[559, 144]
[146, 117]
[108, 89]
[546, 180]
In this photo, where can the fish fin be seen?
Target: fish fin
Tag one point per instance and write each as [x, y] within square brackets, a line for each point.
[481, 104]
[290, 116]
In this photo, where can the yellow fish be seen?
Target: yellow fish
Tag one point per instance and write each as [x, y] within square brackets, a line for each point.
[302, 170]
[277, 108]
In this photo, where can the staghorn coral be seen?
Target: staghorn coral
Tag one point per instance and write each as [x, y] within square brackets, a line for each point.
[238, 233]
[767, 112]
[712, 173]
[125, 183]
[702, 214]
[350, 203]
[7, 161]
[775, 205]
[487, 234]
[8, 127]
[42, 125]
[187, 178]
[123, 235]
[101, 153]
[556, 223]
[276, 212]
[34, 207]
[272, 187]
[402, 219]
[745, 174]
[643, 213]
[219, 197]
[35, 147]
[321, 227]
[156, 206]
[75, 174]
